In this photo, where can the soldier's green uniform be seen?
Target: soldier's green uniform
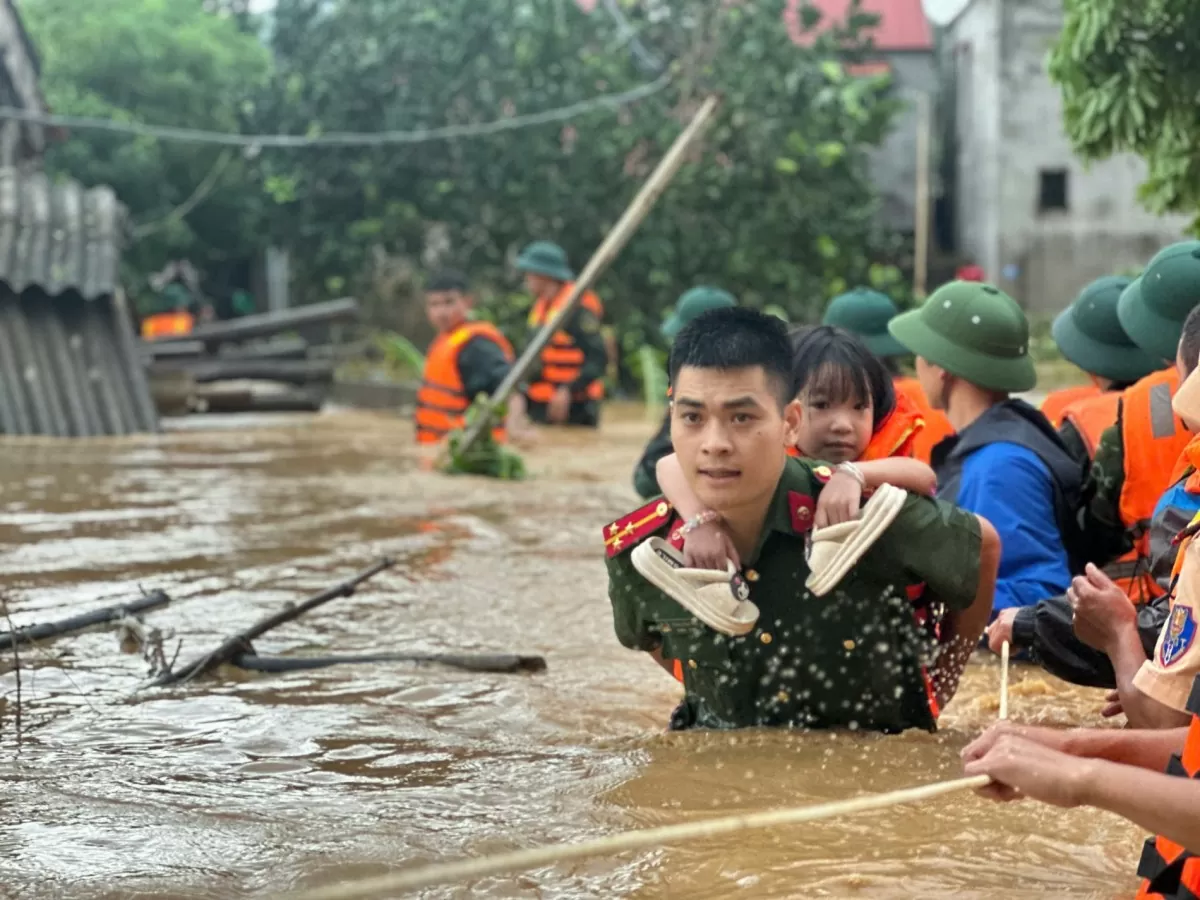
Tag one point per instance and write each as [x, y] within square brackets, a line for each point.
[1152, 313]
[854, 658]
[690, 305]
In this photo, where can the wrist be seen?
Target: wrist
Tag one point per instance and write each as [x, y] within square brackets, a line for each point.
[702, 518]
[853, 470]
[1082, 781]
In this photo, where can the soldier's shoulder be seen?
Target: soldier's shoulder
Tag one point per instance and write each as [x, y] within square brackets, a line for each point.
[629, 530]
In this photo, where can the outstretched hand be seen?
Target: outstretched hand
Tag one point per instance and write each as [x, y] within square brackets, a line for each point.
[1021, 768]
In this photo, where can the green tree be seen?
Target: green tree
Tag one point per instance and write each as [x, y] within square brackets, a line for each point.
[1129, 80]
[777, 205]
[166, 62]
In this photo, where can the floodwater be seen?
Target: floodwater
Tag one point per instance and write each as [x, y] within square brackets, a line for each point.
[245, 785]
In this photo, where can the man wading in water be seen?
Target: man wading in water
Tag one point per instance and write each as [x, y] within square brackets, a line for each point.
[777, 643]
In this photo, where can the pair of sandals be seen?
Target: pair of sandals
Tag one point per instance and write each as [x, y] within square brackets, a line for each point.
[721, 599]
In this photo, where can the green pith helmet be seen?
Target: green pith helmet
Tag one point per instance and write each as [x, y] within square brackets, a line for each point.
[545, 258]
[692, 303]
[974, 331]
[1153, 308]
[866, 313]
[1089, 334]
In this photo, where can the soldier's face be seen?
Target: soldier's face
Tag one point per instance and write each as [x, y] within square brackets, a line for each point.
[446, 309]
[933, 381]
[730, 435]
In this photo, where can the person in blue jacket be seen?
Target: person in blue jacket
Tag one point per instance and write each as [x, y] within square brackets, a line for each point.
[1006, 463]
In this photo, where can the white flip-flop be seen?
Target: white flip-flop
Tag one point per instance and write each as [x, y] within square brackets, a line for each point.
[718, 599]
[836, 549]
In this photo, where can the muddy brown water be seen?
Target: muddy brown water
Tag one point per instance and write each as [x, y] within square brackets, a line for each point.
[246, 785]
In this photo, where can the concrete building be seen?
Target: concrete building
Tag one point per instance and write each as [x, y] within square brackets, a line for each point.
[903, 42]
[1024, 208]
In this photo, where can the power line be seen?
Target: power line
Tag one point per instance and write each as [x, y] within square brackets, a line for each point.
[339, 139]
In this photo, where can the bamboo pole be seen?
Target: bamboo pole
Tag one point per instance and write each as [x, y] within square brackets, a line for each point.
[921, 211]
[425, 876]
[616, 238]
[462, 870]
[1004, 652]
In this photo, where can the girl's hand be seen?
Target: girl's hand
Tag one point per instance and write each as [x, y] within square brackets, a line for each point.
[839, 501]
[708, 547]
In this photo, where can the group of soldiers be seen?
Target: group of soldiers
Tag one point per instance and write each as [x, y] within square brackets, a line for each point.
[469, 357]
[843, 594]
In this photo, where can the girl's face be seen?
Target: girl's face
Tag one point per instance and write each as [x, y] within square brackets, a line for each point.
[835, 426]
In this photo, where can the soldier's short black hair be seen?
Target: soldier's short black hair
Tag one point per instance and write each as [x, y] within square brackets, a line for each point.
[1189, 340]
[736, 338]
[837, 364]
[448, 280]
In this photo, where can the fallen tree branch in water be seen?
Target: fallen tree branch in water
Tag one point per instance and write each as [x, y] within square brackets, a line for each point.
[15, 636]
[503, 663]
[239, 644]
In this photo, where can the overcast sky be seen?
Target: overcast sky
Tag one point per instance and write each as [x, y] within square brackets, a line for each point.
[937, 10]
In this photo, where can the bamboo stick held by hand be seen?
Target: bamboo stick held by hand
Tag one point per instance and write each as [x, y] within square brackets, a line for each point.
[607, 252]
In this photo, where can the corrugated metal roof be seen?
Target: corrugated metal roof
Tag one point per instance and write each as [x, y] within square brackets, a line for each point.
[57, 236]
[69, 367]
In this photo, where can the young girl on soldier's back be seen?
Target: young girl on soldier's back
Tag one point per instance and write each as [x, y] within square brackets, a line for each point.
[851, 418]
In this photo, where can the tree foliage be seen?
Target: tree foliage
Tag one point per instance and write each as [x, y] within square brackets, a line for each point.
[167, 62]
[1129, 78]
[777, 205]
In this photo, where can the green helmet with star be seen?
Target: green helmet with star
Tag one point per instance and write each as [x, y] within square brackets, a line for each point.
[974, 331]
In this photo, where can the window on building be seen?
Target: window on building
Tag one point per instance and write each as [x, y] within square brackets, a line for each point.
[1052, 190]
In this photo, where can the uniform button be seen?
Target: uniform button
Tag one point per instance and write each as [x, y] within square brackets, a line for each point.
[849, 645]
[765, 637]
[691, 664]
[751, 575]
[783, 697]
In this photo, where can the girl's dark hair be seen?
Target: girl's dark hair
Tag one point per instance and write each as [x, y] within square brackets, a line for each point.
[836, 363]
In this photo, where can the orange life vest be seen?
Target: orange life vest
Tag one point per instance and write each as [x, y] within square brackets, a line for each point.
[561, 358]
[442, 399]
[937, 426]
[895, 436]
[1169, 871]
[1056, 402]
[1154, 439]
[1090, 417]
[168, 324]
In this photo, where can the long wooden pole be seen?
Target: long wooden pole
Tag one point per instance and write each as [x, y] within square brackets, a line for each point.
[921, 201]
[108, 614]
[607, 252]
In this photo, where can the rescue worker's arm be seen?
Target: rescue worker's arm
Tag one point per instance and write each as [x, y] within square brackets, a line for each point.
[1047, 632]
[645, 476]
[1161, 804]
[1145, 749]
[1157, 695]
[955, 555]
[482, 365]
[1141, 709]
[584, 328]
[911, 474]
[1011, 488]
[1100, 515]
